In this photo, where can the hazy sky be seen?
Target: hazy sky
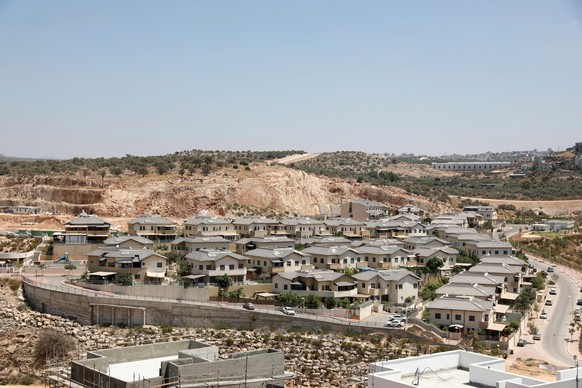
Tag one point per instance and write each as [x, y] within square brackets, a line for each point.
[109, 78]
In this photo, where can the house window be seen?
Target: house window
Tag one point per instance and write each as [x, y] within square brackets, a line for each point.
[276, 285]
[321, 260]
[231, 266]
[241, 266]
[303, 262]
[111, 264]
[437, 315]
[208, 267]
[159, 264]
[448, 316]
[222, 267]
[415, 285]
[400, 286]
[289, 264]
[200, 267]
[297, 263]
[284, 286]
[457, 317]
[363, 285]
[471, 318]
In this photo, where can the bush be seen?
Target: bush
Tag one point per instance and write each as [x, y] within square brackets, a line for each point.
[52, 344]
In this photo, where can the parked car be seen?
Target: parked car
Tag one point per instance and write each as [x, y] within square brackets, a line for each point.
[544, 315]
[553, 291]
[249, 306]
[579, 302]
[395, 323]
[396, 317]
[537, 337]
[288, 311]
[577, 316]
[551, 269]
[549, 302]
[521, 342]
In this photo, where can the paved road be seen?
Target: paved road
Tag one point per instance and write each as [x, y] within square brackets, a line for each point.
[554, 346]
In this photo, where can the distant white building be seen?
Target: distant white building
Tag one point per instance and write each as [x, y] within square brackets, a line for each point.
[461, 369]
[471, 166]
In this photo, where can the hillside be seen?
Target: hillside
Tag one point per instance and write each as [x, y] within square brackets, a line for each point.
[270, 190]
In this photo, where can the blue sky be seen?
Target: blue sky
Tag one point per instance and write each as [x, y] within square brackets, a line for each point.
[109, 78]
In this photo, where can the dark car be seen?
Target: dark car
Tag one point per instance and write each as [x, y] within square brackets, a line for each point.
[249, 306]
[579, 302]
[521, 342]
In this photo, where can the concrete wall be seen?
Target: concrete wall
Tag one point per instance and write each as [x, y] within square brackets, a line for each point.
[154, 291]
[76, 251]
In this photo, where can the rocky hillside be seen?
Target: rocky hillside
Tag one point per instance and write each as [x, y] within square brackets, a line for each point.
[271, 190]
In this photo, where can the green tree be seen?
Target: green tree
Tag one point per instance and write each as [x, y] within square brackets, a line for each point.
[125, 279]
[538, 282]
[312, 301]
[291, 299]
[223, 281]
[434, 264]
[330, 303]
[428, 292]
[524, 301]
[236, 294]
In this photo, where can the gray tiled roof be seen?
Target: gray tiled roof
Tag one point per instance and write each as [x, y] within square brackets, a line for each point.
[463, 304]
[122, 239]
[195, 240]
[204, 255]
[151, 219]
[329, 251]
[205, 220]
[274, 253]
[85, 219]
[300, 221]
[342, 222]
[382, 250]
[254, 220]
[124, 254]
[463, 289]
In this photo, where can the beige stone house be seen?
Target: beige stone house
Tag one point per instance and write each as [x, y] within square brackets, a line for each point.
[391, 285]
[154, 227]
[207, 265]
[144, 265]
[205, 226]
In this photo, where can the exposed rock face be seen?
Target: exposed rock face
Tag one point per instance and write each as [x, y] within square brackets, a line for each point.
[270, 190]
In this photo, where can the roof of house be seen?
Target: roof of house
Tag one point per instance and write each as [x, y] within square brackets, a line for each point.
[122, 239]
[423, 240]
[460, 303]
[254, 220]
[382, 250]
[86, 219]
[151, 219]
[476, 277]
[463, 289]
[366, 202]
[408, 216]
[428, 252]
[394, 274]
[342, 222]
[267, 239]
[327, 240]
[291, 221]
[500, 259]
[200, 240]
[495, 268]
[206, 220]
[318, 275]
[208, 255]
[494, 244]
[274, 253]
[125, 254]
[329, 251]
[378, 242]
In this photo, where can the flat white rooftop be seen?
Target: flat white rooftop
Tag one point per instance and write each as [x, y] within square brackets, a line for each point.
[137, 370]
[450, 378]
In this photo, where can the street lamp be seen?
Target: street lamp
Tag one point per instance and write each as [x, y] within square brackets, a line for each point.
[576, 359]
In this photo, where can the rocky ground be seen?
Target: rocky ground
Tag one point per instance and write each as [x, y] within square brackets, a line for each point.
[318, 359]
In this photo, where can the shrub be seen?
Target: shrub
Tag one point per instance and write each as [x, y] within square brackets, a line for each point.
[52, 344]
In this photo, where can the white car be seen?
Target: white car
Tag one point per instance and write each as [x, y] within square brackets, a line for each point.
[288, 311]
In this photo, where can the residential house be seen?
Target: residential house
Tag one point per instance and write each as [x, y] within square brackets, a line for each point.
[326, 241]
[153, 227]
[144, 265]
[363, 210]
[246, 244]
[298, 227]
[344, 227]
[206, 226]
[129, 242]
[185, 245]
[383, 257]
[489, 213]
[512, 275]
[492, 284]
[322, 283]
[377, 242]
[484, 247]
[254, 226]
[425, 242]
[207, 265]
[394, 228]
[447, 254]
[334, 258]
[468, 314]
[464, 289]
[411, 209]
[390, 285]
[269, 261]
[86, 229]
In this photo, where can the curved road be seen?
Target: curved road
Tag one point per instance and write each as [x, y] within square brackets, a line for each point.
[555, 335]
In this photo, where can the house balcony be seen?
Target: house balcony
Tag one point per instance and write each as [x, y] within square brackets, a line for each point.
[328, 294]
[220, 272]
